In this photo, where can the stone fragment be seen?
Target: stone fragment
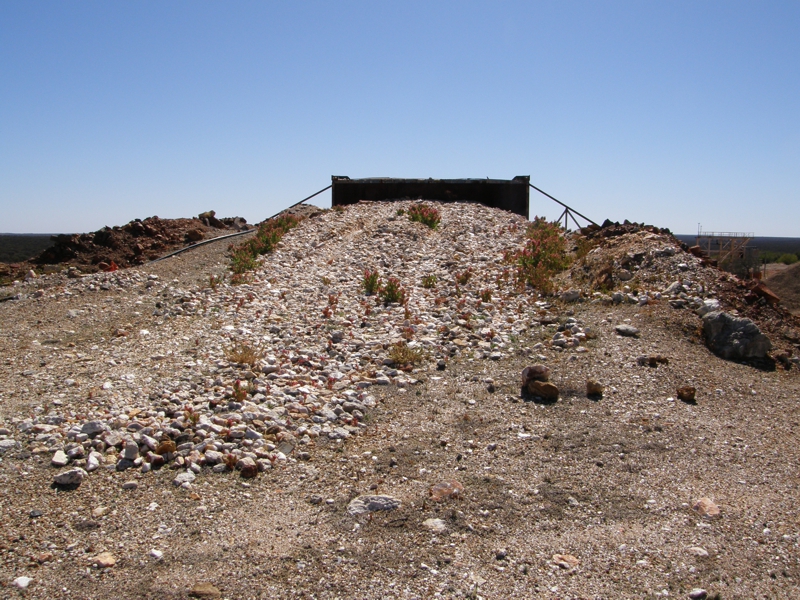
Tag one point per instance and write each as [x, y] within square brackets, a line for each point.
[687, 393]
[570, 295]
[166, 447]
[59, 459]
[157, 554]
[247, 468]
[6, 445]
[131, 451]
[698, 594]
[627, 330]
[204, 590]
[543, 389]
[130, 485]
[72, 477]
[104, 560]
[652, 360]
[445, 490]
[565, 561]
[624, 275]
[594, 388]
[697, 551]
[734, 338]
[93, 461]
[535, 373]
[186, 477]
[435, 525]
[92, 428]
[22, 583]
[368, 504]
[705, 507]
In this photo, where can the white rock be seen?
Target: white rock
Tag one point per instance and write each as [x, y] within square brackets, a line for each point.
[22, 583]
[72, 477]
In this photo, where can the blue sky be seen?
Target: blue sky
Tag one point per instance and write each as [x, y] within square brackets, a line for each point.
[671, 113]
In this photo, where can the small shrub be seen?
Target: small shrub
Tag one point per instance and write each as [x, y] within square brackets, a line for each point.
[429, 281]
[787, 259]
[214, 281]
[425, 214]
[544, 255]
[486, 295]
[392, 292]
[371, 282]
[401, 354]
[338, 208]
[244, 257]
[239, 391]
[400, 212]
[243, 354]
[464, 277]
[326, 281]
[438, 301]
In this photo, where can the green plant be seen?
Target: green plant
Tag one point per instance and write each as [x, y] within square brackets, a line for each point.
[400, 212]
[326, 281]
[485, 295]
[544, 255]
[402, 354]
[371, 283]
[787, 259]
[338, 208]
[425, 214]
[429, 281]
[392, 292]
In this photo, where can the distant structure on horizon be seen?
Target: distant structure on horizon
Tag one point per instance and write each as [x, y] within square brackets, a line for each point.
[730, 250]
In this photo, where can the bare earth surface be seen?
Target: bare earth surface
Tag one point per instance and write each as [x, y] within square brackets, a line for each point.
[579, 498]
[784, 280]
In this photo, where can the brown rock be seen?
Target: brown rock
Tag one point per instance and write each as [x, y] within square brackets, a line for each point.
[445, 490]
[653, 360]
[705, 507]
[248, 468]
[104, 560]
[594, 388]
[543, 389]
[166, 447]
[687, 393]
[204, 590]
[535, 373]
[194, 235]
[565, 561]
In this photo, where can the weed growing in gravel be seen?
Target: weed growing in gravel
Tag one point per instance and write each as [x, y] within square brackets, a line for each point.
[485, 295]
[244, 257]
[429, 282]
[338, 208]
[392, 292]
[239, 391]
[425, 214]
[401, 354]
[371, 282]
[464, 277]
[243, 354]
[214, 281]
[544, 255]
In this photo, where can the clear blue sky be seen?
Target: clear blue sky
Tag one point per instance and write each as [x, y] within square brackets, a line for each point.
[672, 113]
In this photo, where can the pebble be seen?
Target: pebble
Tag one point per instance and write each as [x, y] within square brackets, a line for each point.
[157, 554]
[204, 590]
[184, 479]
[697, 551]
[22, 582]
[705, 507]
[367, 504]
[698, 594]
[59, 459]
[435, 525]
[565, 561]
[104, 560]
[445, 490]
[130, 485]
[72, 477]
[627, 330]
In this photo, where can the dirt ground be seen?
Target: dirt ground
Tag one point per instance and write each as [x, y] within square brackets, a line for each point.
[784, 280]
[609, 481]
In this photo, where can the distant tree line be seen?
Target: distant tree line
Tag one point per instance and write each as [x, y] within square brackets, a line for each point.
[787, 258]
[17, 248]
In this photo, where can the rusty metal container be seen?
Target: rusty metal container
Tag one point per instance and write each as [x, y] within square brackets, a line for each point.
[507, 194]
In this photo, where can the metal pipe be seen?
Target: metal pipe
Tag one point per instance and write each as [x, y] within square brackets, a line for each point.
[562, 204]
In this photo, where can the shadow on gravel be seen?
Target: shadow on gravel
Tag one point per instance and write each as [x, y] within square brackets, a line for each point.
[528, 397]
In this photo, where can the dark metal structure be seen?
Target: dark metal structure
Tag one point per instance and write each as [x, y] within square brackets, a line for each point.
[508, 194]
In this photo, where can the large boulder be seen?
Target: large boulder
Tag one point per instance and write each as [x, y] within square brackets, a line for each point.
[734, 338]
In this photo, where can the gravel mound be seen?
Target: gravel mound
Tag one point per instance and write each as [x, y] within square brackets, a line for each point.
[164, 432]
